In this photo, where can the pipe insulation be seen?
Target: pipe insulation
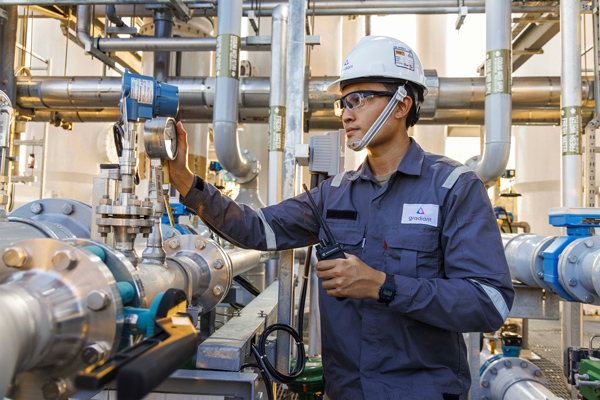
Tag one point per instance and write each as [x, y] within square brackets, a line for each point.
[498, 103]
[240, 163]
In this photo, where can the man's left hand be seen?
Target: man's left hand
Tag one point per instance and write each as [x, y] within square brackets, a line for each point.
[350, 277]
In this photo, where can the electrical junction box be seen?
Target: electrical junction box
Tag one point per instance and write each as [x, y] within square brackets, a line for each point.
[328, 152]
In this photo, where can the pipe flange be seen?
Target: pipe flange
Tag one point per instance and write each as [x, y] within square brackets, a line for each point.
[524, 254]
[74, 215]
[430, 104]
[254, 165]
[76, 320]
[575, 269]
[506, 371]
[120, 267]
[213, 261]
[124, 210]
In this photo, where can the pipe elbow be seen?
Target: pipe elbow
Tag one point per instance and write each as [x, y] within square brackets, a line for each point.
[83, 25]
[281, 12]
[492, 164]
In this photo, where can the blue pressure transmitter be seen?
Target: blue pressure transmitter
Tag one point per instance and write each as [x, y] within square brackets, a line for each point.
[145, 98]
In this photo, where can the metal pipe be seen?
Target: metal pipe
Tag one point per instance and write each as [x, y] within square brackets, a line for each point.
[84, 22]
[111, 14]
[498, 104]
[225, 117]
[571, 185]
[163, 28]
[245, 260]
[528, 390]
[277, 113]
[79, 92]
[26, 330]
[294, 124]
[277, 100]
[207, 8]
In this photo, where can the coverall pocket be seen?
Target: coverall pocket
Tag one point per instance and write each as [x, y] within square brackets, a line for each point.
[413, 251]
[349, 235]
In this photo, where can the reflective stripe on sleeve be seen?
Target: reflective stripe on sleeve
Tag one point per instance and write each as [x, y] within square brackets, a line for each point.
[454, 175]
[269, 234]
[496, 298]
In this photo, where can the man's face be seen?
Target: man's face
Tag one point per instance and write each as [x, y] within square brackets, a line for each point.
[358, 121]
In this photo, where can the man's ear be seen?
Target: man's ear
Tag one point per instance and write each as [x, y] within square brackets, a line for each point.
[403, 108]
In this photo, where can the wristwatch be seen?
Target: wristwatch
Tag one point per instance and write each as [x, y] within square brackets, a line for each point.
[387, 290]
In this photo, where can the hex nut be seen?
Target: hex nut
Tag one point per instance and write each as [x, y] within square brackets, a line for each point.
[36, 208]
[589, 299]
[589, 243]
[485, 384]
[537, 373]
[94, 353]
[15, 257]
[507, 363]
[218, 264]
[540, 274]
[169, 234]
[64, 260]
[572, 282]
[67, 208]
[572, 258]
[494, 370]
[524, 364]
[97, 300]
[173, 244]
[218, 290]
[54, 389]
[200, 245]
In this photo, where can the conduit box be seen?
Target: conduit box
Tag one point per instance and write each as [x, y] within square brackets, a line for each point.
[575, 217]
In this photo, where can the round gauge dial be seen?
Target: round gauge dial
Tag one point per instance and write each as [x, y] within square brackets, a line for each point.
[171, 139]
[160, 138]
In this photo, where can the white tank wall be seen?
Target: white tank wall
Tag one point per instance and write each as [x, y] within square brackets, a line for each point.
[431, 48]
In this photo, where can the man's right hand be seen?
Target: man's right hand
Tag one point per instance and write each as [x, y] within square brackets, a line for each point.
[179, 173]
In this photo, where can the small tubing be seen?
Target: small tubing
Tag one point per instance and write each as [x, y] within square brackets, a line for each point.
[358, 145]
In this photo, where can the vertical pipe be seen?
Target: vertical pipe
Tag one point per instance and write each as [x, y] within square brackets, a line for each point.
[571, 186]
[8, 40]
[279, 36]
[498, 103]
[226, 108]
[293, 135]
[44, 161]
[163, 27]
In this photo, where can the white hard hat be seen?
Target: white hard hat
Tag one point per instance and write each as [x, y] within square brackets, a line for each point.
[381, 57]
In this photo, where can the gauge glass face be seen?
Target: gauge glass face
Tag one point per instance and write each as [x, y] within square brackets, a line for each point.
[171, 139]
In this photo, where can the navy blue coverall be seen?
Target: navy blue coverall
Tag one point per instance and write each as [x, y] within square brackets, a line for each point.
[432, 227]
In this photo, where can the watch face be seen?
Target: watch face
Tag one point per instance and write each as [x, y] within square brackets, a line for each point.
[387, 293]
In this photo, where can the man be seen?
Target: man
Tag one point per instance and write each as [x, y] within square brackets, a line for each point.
[424, 255]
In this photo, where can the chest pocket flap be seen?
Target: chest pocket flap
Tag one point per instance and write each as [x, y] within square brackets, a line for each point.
[349, 235]
[413, 251]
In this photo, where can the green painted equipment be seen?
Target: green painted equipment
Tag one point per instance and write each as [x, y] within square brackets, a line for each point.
[309, 385]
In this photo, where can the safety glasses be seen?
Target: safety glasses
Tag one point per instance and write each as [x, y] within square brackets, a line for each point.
[356, 99]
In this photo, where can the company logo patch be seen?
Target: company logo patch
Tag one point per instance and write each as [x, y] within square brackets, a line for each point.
[424, 214]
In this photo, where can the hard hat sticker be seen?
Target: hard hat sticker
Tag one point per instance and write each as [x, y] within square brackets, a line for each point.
[346, 65]
[404, 58]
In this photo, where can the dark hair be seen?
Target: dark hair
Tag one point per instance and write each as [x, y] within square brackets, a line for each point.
[416, 94]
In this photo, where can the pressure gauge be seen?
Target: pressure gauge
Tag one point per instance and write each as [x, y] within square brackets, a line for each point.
[160, 138]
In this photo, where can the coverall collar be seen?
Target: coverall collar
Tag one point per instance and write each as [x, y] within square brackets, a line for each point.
[410, 164]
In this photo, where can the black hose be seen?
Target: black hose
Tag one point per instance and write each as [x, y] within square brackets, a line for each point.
[246, 284]
[267, 370]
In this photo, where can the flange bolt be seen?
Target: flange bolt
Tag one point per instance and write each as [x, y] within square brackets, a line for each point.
[67, 208]
[36, 208]
[97, 300]
[572, 282]
[64, 260]
[218, 290]
[94, 353]
[218, 264]
[200, 245]
[54, 389]
[173, 244]
[15, 257]
[572, 258]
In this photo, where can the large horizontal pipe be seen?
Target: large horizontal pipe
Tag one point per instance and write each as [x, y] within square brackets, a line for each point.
[378, 7]
[318, 120]
[77, 93]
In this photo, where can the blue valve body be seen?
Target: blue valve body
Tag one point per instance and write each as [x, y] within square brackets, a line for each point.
[146, 98]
